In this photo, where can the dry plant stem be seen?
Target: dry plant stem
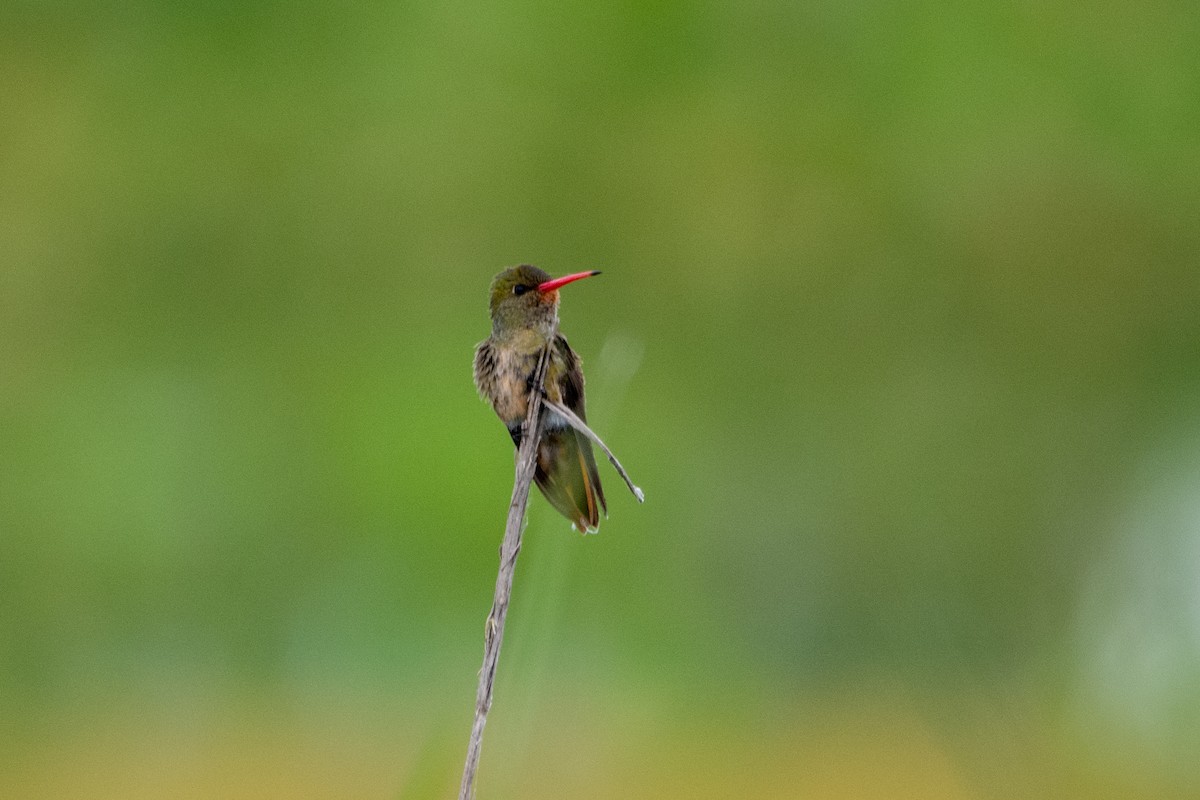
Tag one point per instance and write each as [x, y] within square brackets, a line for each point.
[509, 548]
[581, 426]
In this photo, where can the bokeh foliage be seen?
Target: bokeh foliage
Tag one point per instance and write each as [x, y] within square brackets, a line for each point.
[897, 329]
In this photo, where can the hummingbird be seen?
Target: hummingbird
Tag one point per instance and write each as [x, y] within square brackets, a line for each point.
[524, 310]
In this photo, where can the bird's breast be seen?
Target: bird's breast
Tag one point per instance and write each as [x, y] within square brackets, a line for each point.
[513, 379]
[514, 370]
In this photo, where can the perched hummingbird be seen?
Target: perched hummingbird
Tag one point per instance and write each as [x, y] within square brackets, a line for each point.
[524, 309]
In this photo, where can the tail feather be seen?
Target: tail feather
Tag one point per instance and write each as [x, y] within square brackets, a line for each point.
[566, 474]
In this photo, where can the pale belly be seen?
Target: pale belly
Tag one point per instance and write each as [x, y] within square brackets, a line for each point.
[514, 372]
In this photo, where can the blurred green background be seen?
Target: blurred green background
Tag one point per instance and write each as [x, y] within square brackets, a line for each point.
[898, 330]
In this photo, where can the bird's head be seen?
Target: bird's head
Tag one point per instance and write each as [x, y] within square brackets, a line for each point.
[527, 297]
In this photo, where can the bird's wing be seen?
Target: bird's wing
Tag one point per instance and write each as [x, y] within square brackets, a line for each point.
[485, 368]
[571, 380]
[571, 386]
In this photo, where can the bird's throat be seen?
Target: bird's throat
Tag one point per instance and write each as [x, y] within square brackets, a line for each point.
[523, 340]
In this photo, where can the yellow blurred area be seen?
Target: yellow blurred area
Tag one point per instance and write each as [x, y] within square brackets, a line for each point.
[870, 742]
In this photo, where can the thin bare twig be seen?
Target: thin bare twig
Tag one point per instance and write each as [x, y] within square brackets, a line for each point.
[573, 419]
[509, 549]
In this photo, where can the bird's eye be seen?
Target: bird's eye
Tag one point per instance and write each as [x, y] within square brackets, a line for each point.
[520, 289]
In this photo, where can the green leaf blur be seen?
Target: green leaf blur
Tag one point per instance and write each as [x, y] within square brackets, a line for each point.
[897, 329]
